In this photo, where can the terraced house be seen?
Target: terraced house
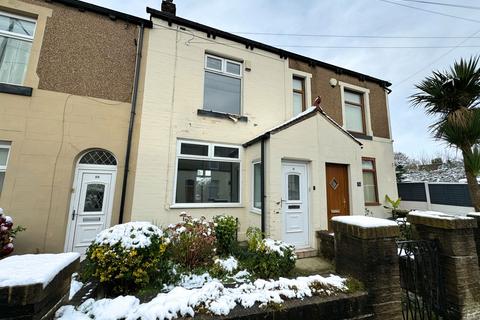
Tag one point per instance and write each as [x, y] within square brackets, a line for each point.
[223, 125]
[227, 127]
[67, 72]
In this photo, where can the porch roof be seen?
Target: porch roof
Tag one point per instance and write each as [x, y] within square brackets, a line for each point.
[310, 112]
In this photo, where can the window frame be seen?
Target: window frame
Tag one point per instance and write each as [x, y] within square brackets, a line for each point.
[209, 157]
[302, 91]
[224, 66]
[20, 37]
[361, 105]
[374, 172]
[252, 207]
[3, 168]
[224, 72]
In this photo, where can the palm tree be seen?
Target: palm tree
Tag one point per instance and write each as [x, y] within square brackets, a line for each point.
[453, 97]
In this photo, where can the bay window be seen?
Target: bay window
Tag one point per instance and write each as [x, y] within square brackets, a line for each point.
[16, 36]
[223, 85]
[207, 174]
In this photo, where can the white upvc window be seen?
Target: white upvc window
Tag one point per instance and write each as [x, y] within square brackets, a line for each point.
[4, 153]
[256, 187]
[16, 37]
[207, 175]
[223, 85]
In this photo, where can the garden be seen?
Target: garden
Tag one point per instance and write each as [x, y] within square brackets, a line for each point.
[193, 267]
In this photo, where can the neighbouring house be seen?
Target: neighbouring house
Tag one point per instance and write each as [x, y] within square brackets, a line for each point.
[67, 71]
[225, 127]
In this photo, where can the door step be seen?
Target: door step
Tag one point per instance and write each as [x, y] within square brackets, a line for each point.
[306, 253]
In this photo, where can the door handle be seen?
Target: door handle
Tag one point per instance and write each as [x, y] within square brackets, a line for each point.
[73, 214]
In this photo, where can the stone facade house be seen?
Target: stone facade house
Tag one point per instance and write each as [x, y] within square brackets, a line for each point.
[225, 122]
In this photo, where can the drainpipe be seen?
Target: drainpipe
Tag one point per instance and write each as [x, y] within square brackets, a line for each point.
[138, 59]
[262, 184]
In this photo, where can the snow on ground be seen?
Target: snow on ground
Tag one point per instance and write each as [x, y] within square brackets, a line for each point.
[130, 235]
[29, 269]
[228, 265]
[212, 296]
[365, 222]
[436, 215]
[75, 285]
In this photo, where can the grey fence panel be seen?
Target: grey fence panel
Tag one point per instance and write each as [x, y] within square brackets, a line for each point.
[412, 191]
[450, 194]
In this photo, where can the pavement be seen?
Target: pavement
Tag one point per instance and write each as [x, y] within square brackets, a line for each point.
[313, 265]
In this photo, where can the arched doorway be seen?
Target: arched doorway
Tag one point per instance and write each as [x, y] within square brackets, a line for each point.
[92, 199]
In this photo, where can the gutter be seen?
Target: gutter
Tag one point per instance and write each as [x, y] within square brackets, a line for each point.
[133, 108]
[262, 184]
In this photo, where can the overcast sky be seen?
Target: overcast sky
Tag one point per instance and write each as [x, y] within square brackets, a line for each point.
[403, 67]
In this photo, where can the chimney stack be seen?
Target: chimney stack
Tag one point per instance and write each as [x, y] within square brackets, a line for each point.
[169, 7]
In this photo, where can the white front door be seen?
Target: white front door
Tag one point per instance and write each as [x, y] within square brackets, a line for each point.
[92, 208]
[295, 204]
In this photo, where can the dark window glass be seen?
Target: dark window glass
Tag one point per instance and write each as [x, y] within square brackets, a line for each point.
[257, 195]
[202, 181]
[226, 152]
[94, 198]
[194, 149]
[222, 93]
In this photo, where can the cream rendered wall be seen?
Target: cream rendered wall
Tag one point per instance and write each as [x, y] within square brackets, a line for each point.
[48, 132]
[172, 93]
[382, 150]
[321, 142]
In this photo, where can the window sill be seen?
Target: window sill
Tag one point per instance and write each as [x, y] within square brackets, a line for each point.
[14, 89]
[359, 135]
[221, 115]
[204, 205]
[256, 211]
[372, 204]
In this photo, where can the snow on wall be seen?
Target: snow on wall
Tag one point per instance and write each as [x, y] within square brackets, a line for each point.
[29, 269]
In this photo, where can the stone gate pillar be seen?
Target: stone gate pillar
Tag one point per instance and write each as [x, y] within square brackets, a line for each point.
[365, 249]
[458, 259]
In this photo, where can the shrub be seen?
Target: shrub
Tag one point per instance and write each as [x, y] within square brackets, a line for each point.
[193, 242]
[226, 233]
[268, 258]
[7, 234]
[128, 257]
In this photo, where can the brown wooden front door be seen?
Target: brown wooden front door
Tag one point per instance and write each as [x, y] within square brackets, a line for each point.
[338, 203]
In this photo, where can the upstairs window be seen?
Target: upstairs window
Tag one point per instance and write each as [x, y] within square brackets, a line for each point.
[4, 152]
[207, 174]
[354, 111]
[369, 181]
[16, 36]
[223, 85]
[298, 95]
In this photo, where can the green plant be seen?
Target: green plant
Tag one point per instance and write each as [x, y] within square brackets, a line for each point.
[453, 97]
[193, 242]
[7, 234]
[226, 232]
[268, 258]
[128, 257]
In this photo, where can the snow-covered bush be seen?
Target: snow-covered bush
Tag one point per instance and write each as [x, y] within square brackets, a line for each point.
[268, 258]
[226, 233]
[193, 242]
[7, 234]
[128, 257]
